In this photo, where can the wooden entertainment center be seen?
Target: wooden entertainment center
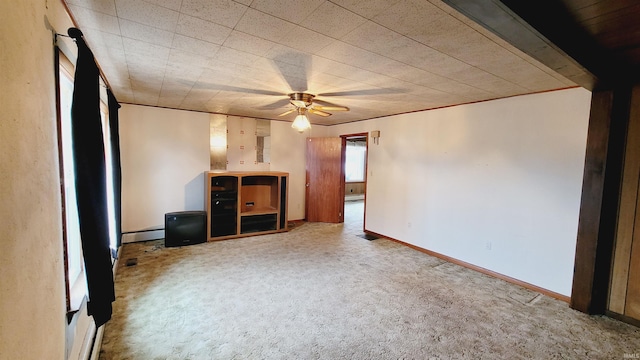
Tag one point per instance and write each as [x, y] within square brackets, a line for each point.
[245, 203]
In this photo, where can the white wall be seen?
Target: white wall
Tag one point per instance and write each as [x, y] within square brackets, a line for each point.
[164, 156]
[32, 289]
[496, 184]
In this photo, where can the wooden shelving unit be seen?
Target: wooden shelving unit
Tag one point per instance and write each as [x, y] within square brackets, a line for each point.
[245, 203]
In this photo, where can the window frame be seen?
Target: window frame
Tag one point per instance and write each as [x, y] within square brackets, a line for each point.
[76, 287]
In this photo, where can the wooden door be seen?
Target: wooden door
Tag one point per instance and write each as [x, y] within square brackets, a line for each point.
[325, 180]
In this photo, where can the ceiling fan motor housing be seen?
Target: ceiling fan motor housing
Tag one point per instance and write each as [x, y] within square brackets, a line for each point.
[301, 99]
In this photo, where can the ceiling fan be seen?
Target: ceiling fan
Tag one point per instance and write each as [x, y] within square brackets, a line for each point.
[303, 103]
[294, 68]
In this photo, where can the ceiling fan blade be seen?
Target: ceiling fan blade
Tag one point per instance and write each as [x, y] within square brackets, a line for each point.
[326, 105]
[331, 108]
[287, 112]
[319, 112]
[212, 86]
[275, 105]
[380, 91]
[294, 68]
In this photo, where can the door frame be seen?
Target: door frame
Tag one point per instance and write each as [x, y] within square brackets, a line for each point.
[364, 135]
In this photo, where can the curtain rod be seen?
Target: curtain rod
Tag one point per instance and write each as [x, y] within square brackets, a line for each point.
[75, 34]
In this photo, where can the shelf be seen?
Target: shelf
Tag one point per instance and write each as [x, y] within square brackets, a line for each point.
[262, 211]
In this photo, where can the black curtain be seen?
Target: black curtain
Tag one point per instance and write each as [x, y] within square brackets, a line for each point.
[91, 187]
[114, 129]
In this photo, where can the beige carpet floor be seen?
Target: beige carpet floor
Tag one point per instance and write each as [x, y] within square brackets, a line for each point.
[321, 292]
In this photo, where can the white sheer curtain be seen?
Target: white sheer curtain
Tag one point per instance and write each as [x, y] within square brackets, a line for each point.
[356, 155]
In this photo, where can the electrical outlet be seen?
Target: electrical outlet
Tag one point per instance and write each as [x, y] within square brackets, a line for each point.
[409, 225]
[488, 245]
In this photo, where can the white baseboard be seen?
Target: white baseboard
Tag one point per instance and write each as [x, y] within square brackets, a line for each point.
[142, 236]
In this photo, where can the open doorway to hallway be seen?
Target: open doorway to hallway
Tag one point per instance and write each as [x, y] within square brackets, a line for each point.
[355, 167]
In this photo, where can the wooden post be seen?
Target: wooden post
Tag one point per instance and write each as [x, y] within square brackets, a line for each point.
[600, 199]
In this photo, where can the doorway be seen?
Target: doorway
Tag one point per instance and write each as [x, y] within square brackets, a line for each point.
[326, 174]
[355, 170]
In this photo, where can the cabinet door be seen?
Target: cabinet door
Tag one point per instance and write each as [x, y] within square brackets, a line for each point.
[325, 180]
[222, 206]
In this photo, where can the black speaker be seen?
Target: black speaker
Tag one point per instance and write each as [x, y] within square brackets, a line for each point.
[185, 228]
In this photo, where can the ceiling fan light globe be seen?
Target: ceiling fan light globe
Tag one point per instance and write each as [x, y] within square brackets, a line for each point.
[301, 123]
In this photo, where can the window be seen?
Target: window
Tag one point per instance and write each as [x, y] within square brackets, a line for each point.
[75, 277]
[355, 160]
[104, 115]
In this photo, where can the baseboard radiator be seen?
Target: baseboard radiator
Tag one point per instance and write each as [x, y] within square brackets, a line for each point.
[144, 235]
[80, 335]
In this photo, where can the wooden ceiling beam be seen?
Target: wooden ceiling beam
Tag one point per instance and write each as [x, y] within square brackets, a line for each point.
[546, 31]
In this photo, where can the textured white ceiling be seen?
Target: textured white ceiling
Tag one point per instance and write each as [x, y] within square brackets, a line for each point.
[377, 57]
